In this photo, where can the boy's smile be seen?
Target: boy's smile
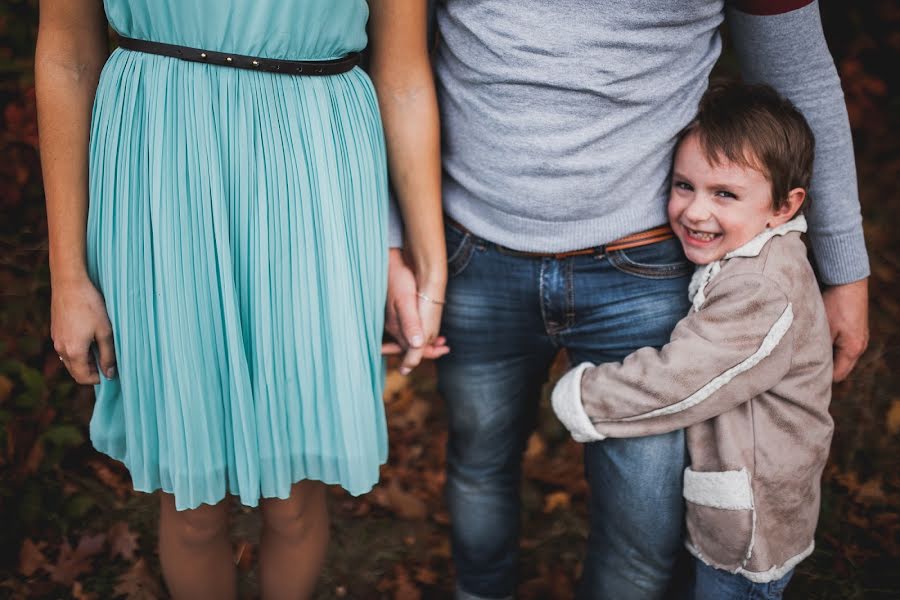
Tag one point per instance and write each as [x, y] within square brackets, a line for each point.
[714, 209]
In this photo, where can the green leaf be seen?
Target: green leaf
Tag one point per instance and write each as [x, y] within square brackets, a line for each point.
[64, 435]
[78, 505]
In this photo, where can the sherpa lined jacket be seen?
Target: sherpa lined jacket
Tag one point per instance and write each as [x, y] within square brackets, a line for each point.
[748, 372]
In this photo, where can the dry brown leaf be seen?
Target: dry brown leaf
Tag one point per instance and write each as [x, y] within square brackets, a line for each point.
[536, 446]
[871, 492]
[426, 576]
[110, 478]
[138, 583]
[6, 388]
[394, 382]
[79, 594]
[31, 558]
[557, 500]
[404, 588]
[893, 417]
[243, 555]
[72, 563]
[404, 504]
[122, 541]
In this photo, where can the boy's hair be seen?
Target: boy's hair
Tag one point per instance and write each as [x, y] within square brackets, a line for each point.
[752, 126]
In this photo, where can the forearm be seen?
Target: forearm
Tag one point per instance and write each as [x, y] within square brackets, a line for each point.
[788, 52]
[68, 61]
[409, 112]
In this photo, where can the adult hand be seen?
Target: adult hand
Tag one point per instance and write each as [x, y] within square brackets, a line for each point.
[847, 308]
[411, 321]
[78, 318]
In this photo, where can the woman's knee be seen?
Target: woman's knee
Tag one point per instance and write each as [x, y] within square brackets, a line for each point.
[294, 516]
[198, 526]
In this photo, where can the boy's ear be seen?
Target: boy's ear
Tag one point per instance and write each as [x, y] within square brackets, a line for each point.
[787, 211]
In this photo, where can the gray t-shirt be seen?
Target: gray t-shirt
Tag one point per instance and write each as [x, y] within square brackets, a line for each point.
[559, 118]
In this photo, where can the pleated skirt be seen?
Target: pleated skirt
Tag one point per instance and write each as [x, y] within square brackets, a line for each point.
[237, 231]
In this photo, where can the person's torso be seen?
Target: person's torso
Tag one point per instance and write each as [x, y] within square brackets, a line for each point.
[566, 112]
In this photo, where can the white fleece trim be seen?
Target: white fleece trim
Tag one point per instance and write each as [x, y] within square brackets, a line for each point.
[703, 275]
[566, 401]
[755, 246]
[776, 573]
[773, 337]
[729, 490]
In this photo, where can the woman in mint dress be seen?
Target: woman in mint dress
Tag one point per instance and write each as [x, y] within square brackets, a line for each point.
[218, 256]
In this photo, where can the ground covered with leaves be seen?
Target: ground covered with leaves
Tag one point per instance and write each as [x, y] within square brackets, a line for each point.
[72, 526]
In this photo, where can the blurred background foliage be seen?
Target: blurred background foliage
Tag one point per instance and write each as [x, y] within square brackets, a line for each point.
[72, 527]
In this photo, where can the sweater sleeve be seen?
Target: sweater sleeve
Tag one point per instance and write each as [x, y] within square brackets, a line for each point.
[735, 347]
[781, 43]
[395, 223]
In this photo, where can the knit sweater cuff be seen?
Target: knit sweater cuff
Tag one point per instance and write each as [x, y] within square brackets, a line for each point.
[841, 258]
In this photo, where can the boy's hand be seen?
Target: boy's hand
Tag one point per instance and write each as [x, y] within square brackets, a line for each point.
[847, 308]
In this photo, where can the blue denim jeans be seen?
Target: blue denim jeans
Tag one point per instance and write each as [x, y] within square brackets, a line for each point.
[506, 319]
[715, 584]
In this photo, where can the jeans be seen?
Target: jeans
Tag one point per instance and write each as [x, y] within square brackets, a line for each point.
[714, 584]
[506, 318]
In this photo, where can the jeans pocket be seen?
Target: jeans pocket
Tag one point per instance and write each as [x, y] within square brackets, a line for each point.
[720, 519]
[662, 260]
[460, 247]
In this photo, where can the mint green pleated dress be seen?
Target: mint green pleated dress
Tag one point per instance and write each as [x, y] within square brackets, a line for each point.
[237, 231]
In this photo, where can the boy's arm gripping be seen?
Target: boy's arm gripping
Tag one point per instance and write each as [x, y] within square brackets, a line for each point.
[735, 347]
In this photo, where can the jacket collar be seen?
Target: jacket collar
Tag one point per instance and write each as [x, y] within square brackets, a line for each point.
[703, 275]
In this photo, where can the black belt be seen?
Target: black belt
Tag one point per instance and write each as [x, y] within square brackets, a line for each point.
[238, 61]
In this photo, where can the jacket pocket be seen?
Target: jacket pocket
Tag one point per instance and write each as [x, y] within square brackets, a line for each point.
[720, 516]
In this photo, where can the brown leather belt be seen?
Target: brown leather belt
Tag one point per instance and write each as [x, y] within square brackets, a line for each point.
[239, 61]
[635, 240]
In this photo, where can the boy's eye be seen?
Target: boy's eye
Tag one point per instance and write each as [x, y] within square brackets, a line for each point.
[725, 194]
[682, 185]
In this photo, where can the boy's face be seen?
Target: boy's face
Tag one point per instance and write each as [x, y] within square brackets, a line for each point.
[715, 209]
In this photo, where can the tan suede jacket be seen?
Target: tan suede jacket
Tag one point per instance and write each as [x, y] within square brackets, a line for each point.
[748, 373]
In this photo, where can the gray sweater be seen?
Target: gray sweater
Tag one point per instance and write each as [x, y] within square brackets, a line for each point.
[559, 118]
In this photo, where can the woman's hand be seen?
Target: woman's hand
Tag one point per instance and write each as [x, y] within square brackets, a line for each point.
[78, 318]
[412, 323]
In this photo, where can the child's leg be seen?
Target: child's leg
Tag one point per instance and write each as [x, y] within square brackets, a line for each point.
[195, 551]
[715, 584]
[294, 539]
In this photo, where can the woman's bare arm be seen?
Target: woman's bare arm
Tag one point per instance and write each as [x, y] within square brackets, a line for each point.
[401, 71]
[71, 50]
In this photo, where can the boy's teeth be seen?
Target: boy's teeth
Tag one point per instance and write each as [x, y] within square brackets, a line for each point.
[700, 235]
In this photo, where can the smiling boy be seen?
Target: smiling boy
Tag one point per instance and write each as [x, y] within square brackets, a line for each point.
[748, 371]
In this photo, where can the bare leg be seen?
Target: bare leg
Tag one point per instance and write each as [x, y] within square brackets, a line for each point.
[294, 539]
[195, 551]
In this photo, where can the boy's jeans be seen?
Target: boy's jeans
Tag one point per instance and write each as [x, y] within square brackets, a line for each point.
[506, 318]
[710, 583]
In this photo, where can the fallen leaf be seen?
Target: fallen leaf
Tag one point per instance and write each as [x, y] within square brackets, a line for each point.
[404, 504]
[871, 492]
[893, 417]
[122, 541]
[31, 558]
[426, 576]
[404, 588]
[72, 563]
[110, 478]
[243, 555]
[394, 382]
[536, 446]
[6, 388]
[138, 583]
[79, 594]
[557, 500]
